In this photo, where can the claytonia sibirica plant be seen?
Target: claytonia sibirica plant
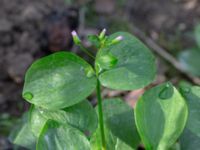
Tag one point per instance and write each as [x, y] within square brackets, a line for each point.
[61, 117]
[190, 58]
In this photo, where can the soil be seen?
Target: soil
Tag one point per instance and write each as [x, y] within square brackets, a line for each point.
[29, 30]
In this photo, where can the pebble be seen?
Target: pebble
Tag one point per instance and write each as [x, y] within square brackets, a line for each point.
[17, 66]
[31, 13]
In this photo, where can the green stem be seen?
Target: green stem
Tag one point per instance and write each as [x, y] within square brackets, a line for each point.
[100, 112]
[86, 51]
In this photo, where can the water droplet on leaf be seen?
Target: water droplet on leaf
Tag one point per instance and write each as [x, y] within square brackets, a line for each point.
[166, 92]
[28, 96]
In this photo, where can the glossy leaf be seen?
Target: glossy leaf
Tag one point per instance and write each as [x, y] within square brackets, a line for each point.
[81, 116]
[120, 129]
[21, 135]
[176, 146]
[197, 34]
[159, 120]
[107, 61]
[190, 61]
[36, 121]
[59, 80]
[189, 141]
[192, 95]
[134, 67]
[112, 142]
[55, 136]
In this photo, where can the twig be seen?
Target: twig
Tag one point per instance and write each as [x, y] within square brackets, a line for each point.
[163, 53]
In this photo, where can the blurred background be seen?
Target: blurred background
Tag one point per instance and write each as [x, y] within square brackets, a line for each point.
[30, 29]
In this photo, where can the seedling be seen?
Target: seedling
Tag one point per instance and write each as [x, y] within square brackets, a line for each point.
[61, 118]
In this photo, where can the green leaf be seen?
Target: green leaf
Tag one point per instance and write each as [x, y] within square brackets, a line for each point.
[189, 141]
[192, 95]
[21, 135]
[81, 116]
[120, 129]
[190, 61]
[55, 136]
[59, 80]
[36, 120]
[197, 34]
[160, 120]
[176, 146]
[120, 145]
[135, 67]
[107, 61]
[113, 143]
[184, 84]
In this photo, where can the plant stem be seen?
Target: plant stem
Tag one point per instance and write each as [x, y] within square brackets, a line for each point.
[86, 51]
[100, 112]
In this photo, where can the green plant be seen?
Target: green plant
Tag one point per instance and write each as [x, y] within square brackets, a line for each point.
[61, 118]
[190, 138]
[189, 58]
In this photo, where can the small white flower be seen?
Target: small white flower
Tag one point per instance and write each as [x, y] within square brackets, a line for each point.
[117, 39]
[102, 34]
[75, 37]
[74, 33]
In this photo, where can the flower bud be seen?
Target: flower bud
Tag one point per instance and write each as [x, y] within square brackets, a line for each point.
[102, 34]
[76, 39]
[117, 39]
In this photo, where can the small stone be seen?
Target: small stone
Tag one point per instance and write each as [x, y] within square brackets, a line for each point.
[31, 13]
[17, 66]
[28, 43]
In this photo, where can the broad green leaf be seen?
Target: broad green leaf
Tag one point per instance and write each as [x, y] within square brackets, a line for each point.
[81, 116]
[59, 80]
[192, 95]
[120, 129]
[190, 61]
[55, 136]
[176, 146]
[197, 34]
[36, 121]
[133, 67]
[184, 84]
[160, 114]
[21, 135]
[189, 141]
[96, 143]
[120, 145]
[112, 142]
